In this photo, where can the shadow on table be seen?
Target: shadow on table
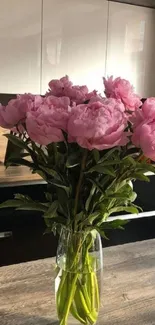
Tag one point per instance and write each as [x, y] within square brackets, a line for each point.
[138, 317]
[7, 318]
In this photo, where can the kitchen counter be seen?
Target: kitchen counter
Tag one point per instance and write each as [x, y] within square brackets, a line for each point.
[27, 289]
[18, 175]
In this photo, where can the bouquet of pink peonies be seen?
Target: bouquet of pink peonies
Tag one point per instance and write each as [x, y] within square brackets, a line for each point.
[87, 148]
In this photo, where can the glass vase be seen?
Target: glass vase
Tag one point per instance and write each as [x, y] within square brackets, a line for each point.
[78, 280]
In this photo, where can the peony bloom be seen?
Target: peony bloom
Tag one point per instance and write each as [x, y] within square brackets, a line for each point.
[144, 128]
[45, 125]
[57, 87]
[122, 89]
[15, 112]
[77, 94]
[98, 125]
[64, 87]
[63, 102]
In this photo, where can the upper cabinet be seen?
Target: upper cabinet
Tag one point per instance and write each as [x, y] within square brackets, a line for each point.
[74, 41]
[131, 46]
[45, 39]
[20, 46]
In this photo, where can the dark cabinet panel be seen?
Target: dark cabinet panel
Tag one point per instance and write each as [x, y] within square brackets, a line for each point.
[144, 3]
[28, 241]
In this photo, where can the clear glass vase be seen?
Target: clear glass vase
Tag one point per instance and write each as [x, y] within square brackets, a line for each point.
[78, 280]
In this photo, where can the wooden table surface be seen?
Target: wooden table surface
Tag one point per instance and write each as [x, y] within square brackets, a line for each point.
[17, 175]
[27, 293]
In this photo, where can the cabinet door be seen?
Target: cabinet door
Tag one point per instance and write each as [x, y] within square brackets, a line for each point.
[74, 41]
[131, 46]
[20, 46]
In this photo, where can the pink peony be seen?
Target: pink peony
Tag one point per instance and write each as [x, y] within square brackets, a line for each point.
[98, 125]
[96, 98]
[45, 125]
[64, 87]
[63, 102]
[144, 128]
[57, 87]
[122, 89]
[14, 113]
[77, 94]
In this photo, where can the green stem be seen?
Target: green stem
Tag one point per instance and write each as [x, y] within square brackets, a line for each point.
[96, 291]
[69, 301]
[55, 152]
[83, 164]
[78, 292]
[61, 294]
[76, 312]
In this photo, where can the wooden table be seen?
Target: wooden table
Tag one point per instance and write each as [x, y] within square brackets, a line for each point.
[17, 175]
[27, 293]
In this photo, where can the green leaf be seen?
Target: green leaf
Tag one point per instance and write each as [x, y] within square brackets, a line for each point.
[103, 170]
[92, 191]
[128, 160]
[19, 162]
[22, 197]
[52, 211]
[10, 204]
[97, 185]
[32, 206]
[111, 162]
[48, 196]
[79, 216]
[133, 196]
[12, 149]
[118, 195]
[63, 202]
[108, 154]
[17, 141]
[137, 206]
[21, 144]
[73, 160]
[91, 218]
[146, 167]
[101, 232]
[115, 224]
[140, 177]
[125, 193]
[17, 155]
[130, 209]
[50, 172]
[64, 187]
[96, 155]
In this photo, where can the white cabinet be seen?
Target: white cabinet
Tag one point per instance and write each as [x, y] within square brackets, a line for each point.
[20, 46]
[131, 46]
[74, 41]
[45, 39]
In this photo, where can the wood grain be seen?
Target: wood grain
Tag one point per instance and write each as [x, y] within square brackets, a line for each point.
[15, 175]
[27, 290]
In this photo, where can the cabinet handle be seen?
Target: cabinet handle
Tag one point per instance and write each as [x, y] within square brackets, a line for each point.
[5, 234]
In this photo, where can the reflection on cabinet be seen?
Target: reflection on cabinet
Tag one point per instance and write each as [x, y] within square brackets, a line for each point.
[131, 46]
[20, 46]
[74, 41]
[86, 39]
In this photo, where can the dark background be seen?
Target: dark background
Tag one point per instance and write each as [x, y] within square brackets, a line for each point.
[28, 241]
[142, 3]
